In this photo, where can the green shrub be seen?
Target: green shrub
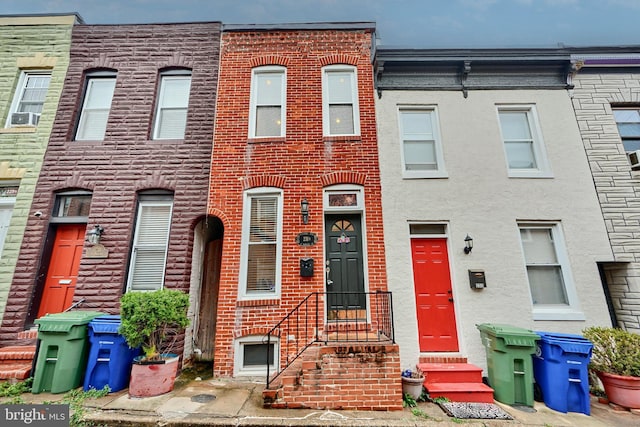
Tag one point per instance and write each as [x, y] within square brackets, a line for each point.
[615, 351]
[153, 320]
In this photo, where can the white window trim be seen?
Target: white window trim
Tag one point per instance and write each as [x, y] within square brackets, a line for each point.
[543, 169]
[441, 171]
[344, 189]
[177, 74]
[571, 311]
[163, 202]
[326, 125]
[82, 119]
[260, 371]
[20, 88]
[281, 72]
[244, 251]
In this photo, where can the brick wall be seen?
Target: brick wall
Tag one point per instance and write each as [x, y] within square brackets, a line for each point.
[301, 164]
[36, 46]
[127, 161]
[617, 186]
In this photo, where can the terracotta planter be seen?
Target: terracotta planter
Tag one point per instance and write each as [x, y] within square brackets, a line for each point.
[412, 386]
[621, 390]
[153, 379]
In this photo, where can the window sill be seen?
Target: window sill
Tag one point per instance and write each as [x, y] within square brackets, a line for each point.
[433, 175]
[536, 174]
[257, 302]
[273, 139]
[557, 314]
[342, 138]
[21, 129]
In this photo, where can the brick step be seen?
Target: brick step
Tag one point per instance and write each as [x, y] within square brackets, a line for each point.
[451, 372]
[461, 392]
[442, 359]
[16, 353]
[19, 371]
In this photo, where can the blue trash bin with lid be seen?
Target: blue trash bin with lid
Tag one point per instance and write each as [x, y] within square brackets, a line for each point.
[110, 357]
[560, 370]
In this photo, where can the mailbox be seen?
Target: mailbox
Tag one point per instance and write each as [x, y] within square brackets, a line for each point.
[306, 267]
[477, 279]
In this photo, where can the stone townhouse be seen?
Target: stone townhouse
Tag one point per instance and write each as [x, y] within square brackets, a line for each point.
[606, 99]
[296, 192]
[34, 54]
[122, 193]
[490, 213]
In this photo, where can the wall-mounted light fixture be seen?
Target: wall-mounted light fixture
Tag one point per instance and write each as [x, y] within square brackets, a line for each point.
[93, 236]
[468, 244]
[304, 211]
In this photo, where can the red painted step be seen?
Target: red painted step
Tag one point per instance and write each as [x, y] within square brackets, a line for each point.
[461, 392]
[451, 372]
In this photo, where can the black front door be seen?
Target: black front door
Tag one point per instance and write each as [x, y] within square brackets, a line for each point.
[344, 269]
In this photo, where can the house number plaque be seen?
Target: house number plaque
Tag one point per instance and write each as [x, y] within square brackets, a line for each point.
[306, 239]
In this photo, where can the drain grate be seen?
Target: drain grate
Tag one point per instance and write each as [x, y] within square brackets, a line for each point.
[203, 398]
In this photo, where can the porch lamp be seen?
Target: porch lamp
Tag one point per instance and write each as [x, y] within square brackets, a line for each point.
[93, 236]
[468, 244]
[304, 211]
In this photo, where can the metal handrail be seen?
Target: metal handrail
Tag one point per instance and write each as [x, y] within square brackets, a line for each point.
[353, 317]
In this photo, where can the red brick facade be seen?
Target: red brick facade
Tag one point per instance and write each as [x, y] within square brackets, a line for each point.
[301, 164]
[125, 162]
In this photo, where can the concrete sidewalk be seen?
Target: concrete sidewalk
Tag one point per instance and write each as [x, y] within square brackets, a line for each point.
[217, 402]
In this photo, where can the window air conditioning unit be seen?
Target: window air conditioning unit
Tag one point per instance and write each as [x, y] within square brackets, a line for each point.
[634, 159]
[24, 119]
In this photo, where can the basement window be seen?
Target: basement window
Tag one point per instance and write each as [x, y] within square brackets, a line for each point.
[252, 355]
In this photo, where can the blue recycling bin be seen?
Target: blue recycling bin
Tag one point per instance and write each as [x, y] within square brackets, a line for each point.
[110, 357]
[560, 370]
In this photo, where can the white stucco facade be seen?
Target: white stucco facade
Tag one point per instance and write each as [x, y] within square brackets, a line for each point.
[477, 197]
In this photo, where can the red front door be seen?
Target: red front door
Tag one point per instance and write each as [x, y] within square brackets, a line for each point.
[434, 300]
[63, 269]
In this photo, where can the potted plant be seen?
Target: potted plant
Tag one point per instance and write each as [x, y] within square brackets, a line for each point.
[616, 360]
[412, 383]
[153, 321]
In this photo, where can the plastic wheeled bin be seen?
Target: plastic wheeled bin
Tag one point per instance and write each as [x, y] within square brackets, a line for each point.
[62, 352]
[110, 357]
[560, 369]
[509, 362]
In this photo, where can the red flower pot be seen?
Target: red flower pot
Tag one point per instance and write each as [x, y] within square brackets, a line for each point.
[153, 379]
[621, 390]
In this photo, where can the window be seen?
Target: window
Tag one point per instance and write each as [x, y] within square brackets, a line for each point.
[268, 100]
[421, 148]
[29, 98]
[340, 101]
[252, 353]
[150, 241]
[172, 104]
[8, 195]
[522, 141]
[547, 267]
[72, 204]
[628, 121]
[262, 244]
[96, 106]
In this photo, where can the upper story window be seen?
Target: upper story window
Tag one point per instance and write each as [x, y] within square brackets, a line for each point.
[29, 98]
[96, 106]
[172, 105]
[628, 121]
[523, 144]
[421, 147]
[268, 102]
[340, 111]
[150, 242]
[261, 244]
[550, 282]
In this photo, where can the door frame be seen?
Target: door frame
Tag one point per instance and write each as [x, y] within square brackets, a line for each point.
[329, 207]
[434, 230]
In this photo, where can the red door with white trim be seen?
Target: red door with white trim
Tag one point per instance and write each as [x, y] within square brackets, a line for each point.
[434, 299]
[62, 273]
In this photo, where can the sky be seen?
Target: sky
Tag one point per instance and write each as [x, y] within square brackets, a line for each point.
[399, 23]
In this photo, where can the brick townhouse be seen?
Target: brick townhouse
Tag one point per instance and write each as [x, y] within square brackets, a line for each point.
[296, 188]
[128, 162]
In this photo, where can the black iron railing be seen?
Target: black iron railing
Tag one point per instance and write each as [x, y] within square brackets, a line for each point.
[350, 317]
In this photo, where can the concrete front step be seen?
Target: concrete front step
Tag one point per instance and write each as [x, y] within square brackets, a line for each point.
[461, 392]
[451, 372]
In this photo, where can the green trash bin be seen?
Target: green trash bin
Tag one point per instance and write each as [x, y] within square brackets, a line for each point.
[509, 362]
[62, 352]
